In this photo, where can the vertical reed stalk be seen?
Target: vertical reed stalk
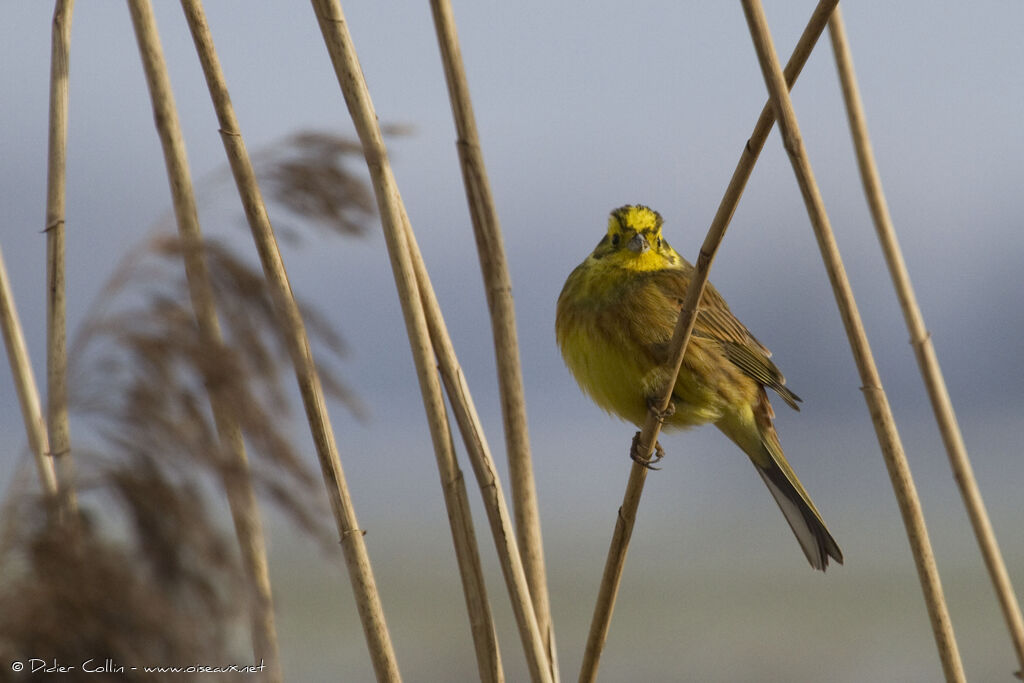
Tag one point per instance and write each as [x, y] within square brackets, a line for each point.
[921, 342]
[612, 576]
[498, 287]
[56, 296]
[389, 202]
[234, 463]
[878, 406]
[485, 470]
[290, 319]
[25, 385]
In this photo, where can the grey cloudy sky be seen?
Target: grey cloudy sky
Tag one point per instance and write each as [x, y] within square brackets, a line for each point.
[581, 110]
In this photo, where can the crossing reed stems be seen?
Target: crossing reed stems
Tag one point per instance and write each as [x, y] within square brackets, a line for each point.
[921, 342]
[486, 472]
[389, 202]
[498, 287]
[615, 562]
[874, 394]
[354, 549]
[236, 476]
[25, 386]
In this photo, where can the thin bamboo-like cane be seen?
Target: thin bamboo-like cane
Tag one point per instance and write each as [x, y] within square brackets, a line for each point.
[615, 562]
[389, 202]
[234, 465]
[498, 287]
[25, 385]
[878, 406]
[56, 296]
[290, 319]
[921, 342]
[483, 467]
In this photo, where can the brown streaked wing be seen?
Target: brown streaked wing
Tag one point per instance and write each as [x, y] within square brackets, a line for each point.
[716, 321]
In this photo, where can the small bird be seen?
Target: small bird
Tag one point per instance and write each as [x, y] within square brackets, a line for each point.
[615, 319]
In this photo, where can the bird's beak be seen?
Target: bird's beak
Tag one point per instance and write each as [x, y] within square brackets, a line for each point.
[638, 244]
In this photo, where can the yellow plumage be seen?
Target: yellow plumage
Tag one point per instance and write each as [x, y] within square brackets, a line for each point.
[615, 318]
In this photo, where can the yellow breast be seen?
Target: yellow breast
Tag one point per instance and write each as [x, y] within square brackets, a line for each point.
[599, 314]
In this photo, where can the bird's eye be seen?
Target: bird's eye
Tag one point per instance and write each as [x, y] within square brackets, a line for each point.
[615, 240]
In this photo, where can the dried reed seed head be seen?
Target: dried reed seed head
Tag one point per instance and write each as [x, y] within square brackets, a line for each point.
[314, 175]
[165, 587]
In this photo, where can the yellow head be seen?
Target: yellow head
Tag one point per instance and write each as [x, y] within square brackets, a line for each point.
[634, 240]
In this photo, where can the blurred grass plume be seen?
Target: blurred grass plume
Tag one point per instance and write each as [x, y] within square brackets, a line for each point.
[147, 572]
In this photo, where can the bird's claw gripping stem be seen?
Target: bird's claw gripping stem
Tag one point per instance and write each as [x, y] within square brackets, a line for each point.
[661, 415]
[637, 457]
[659, 452]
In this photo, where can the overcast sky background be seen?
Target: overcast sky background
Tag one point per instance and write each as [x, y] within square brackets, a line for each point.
[581, 111]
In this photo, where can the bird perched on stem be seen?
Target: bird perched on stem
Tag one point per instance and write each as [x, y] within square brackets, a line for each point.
[616, 315]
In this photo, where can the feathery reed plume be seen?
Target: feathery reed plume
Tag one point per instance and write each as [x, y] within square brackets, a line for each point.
[320, 187]
[164, 593]
[874, 394]
[307, 174]
[141, 371]
[236, 480]
[162, 587]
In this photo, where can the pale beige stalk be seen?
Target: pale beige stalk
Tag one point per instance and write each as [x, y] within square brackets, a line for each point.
[498, 286]
[921, 341]
[748, 157]
[484, 468]
[56, 296]
[389, 202]
[615, 562]
[878, 406]
[290, 319]
[25, 386]
[234, 463]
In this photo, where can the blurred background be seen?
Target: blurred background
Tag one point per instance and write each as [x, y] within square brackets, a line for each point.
[580, 113]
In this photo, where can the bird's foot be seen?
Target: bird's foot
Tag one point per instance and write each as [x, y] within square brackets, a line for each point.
[637, 457]
[659, 414]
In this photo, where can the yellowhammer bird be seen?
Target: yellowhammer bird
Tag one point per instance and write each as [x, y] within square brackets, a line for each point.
[616, 315]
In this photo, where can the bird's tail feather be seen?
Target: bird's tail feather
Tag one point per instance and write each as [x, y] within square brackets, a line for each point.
[754, 432]
[807, 525]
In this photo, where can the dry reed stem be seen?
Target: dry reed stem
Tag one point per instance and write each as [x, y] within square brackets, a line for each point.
[921, 342]
[235, 467]
[25, 385]
[752, 149]
[878, 406]
[353, 545]
[56, 296]
[485, 470]
[389, 202]
[498, 287]
[615, 562]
